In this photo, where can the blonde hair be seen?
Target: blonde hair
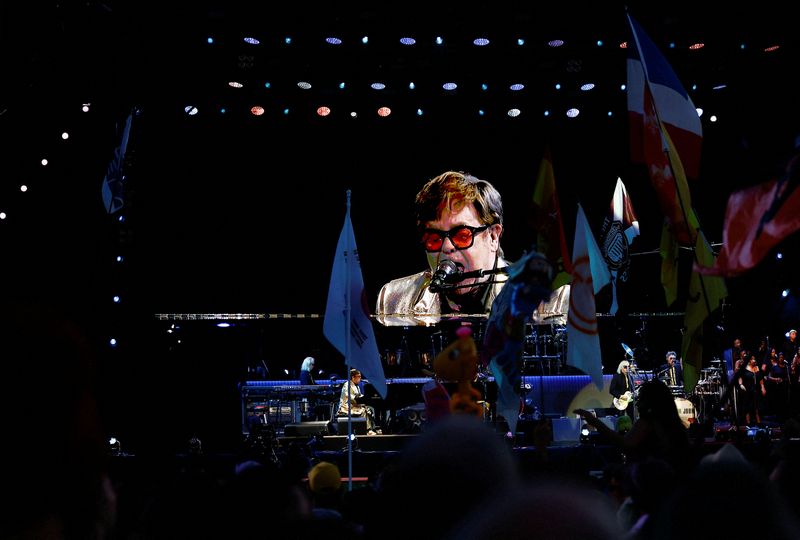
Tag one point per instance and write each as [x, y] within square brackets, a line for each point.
[621, 365]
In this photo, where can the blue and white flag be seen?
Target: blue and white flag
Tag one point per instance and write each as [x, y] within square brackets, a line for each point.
[350, 312]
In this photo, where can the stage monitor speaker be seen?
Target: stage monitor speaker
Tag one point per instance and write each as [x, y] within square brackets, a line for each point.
[359, 425]
[306, 429]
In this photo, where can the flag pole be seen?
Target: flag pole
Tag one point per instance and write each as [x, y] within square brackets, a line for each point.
[347, 346]
[665, 147]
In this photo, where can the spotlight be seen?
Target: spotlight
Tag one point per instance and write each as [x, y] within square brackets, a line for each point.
[114, 446]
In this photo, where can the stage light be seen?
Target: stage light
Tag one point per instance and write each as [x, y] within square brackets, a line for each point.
[235, 84]
[286, 111]
[419, 112]
[599, 42]
[516, 87]
[784, 294]
[555, 42]
[712, 118]
[45, 162]
[696, 46]
[341, 85]
[304, 85]
[119, 258]
[480, 42]
[190, 110]
[116, 299]
[257, 110]
[558, 86]
[408, 41]
[623, 87]
[267, 85]
[439, 40]
[85, 107]
[586, 87]
[449, 86]
[23, 188]
[3, 215]
[210, 40]
[484, 87]
[223, 325]
[671, 44]
[520, 42]
[779, 255]
[287, 40]
[772, 48]
[384, 111]
[323, 111]
[719, 87]
[377, 86]
[114, 446]
[353, 114]
[112, 342]
[610, 113]
[121, 219]
[252, 41]
[411, 85]
[65, 135]
[573, 112]
[333, 40]
[365, 40]
[699, 111]
[222, 110]
[623, 45]
[481, 112]
[694, 87]
[546, 112]
[513, 113]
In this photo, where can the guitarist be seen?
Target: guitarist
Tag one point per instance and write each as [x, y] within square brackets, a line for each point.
[621, 389]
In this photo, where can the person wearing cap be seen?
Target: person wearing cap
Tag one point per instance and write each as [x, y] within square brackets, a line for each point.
[324, 484]
[306, 375]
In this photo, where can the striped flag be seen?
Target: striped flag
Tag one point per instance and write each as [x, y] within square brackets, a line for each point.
[347, 311]
[756, 220]
[620, 227]
[648, 69]
[589, 275]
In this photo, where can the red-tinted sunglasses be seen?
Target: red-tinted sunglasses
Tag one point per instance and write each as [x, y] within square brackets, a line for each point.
[462, 237]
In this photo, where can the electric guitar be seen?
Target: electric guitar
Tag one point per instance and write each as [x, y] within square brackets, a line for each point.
[622, 401]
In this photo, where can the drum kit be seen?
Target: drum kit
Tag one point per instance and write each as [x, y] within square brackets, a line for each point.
[708, 390]
[545, 345]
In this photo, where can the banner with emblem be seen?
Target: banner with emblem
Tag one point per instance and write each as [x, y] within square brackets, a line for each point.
[620, 227]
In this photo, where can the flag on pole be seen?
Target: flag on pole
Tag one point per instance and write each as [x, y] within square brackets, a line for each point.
[669, 263]
[756, 220]
[361, 349]
[705, 295]
[546, 215]
[113, 189]
[589, 275]
[620, 227]
[647, 68]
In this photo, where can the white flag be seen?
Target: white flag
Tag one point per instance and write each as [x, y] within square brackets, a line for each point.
[589, 275]
[362, 350]
[619, 229]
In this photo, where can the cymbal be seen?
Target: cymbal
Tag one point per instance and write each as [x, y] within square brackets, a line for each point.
[627, 349]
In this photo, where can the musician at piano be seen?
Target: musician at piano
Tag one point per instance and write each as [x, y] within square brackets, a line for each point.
[622, 390]
[349, 405]
[460, 221]
[307, 371]
[671, 373]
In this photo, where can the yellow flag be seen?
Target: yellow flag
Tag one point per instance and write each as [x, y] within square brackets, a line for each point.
[669, 264]
[705, 295]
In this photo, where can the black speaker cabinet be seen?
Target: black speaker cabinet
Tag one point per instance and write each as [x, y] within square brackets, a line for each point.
[306, 429]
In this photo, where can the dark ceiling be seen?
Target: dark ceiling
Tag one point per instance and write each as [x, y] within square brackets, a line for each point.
[221, 205]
